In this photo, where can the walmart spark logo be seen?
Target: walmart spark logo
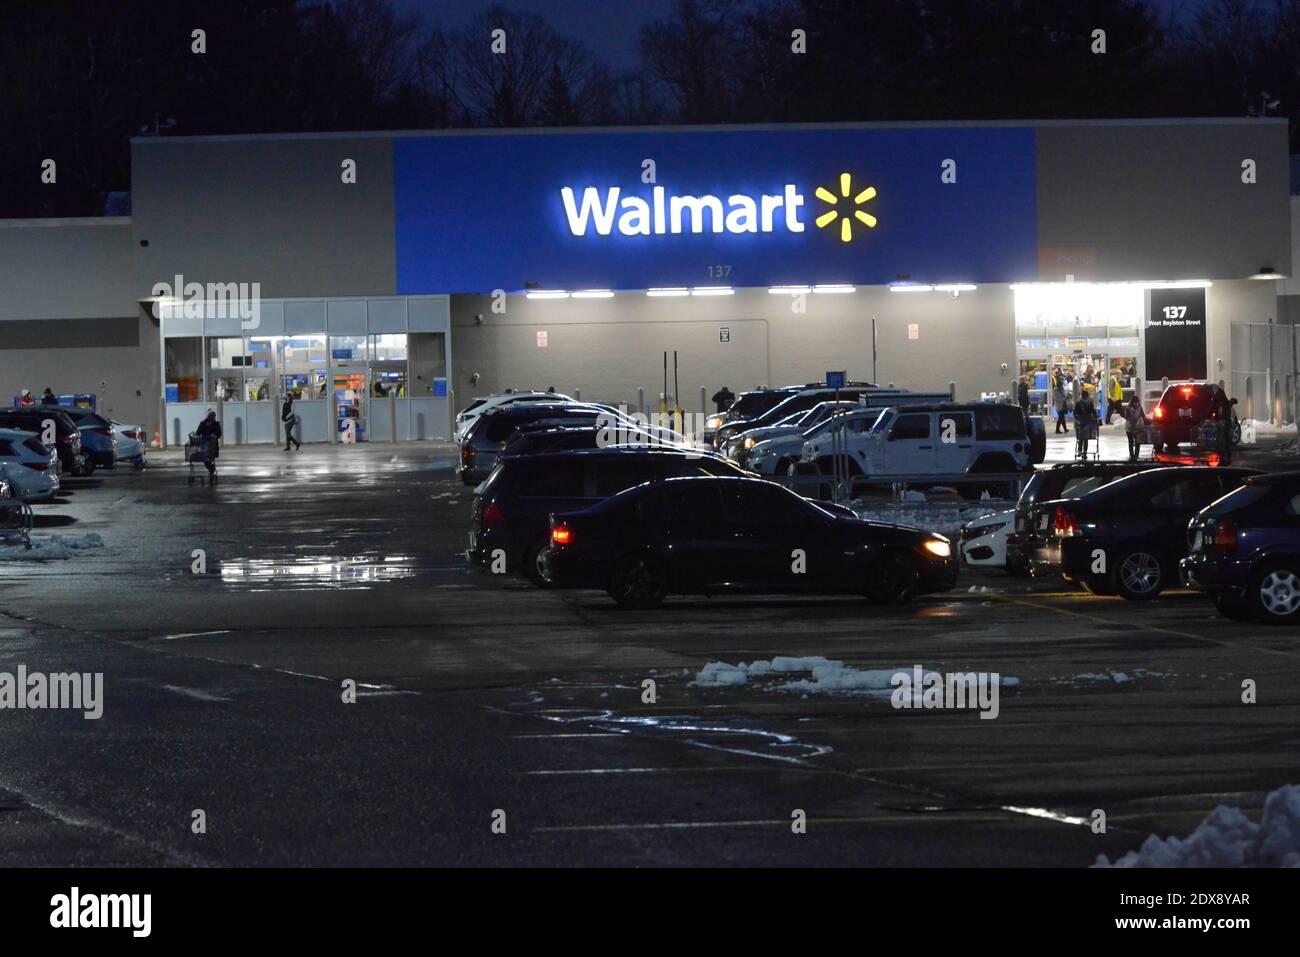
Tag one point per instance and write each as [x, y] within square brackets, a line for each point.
[846, 216]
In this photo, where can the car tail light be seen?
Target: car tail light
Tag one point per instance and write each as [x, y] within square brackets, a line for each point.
[1186, 390]
[1158, 412]
[38, 466]
[561, 535]
[1065, 525]
[1225, 537]
[67, 437]
[492, 515]
[467, 454]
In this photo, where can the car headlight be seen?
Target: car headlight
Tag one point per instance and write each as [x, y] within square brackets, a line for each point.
[713, 422]
[937, 546]
[749, 443]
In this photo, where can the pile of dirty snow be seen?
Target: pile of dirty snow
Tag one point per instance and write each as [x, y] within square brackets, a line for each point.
[1227, 838]
[827, 676]
[49, 548]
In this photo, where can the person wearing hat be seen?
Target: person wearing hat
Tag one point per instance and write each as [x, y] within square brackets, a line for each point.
[26, 399]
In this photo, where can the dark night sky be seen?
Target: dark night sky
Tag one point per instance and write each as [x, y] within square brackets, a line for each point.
[608, 27]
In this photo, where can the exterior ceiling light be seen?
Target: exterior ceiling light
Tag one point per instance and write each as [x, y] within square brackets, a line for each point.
[594, 294]
[957, 287]
[680, 291]
[788, 290]
[909, 287]
[546, 294]
[834, 289]
[1267, 272]
[712, 291]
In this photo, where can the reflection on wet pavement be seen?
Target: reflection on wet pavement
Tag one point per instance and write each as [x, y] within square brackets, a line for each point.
[317, 572]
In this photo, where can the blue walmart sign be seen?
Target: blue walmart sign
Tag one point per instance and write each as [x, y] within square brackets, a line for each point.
[744, 208]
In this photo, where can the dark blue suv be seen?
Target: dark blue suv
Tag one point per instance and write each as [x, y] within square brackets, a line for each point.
[1245, 551]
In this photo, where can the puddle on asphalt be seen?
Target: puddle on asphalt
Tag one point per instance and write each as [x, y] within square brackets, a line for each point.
[309, 572]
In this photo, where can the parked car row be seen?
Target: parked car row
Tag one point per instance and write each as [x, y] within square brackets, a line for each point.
[1137, 529]
[41, 444]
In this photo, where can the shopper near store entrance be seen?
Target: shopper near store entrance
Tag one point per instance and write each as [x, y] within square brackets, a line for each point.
[1114, 395]
[1221, 414]
[1135, 425]
[26, 398]
[290, 420]
[1085, 423]
[1058, 402]
[210, 429]
[723, 399]
[48, 397]
[1022, 395]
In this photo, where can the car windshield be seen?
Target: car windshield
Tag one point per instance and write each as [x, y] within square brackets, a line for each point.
[795, 418]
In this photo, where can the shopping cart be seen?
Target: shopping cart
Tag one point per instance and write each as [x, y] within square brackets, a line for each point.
[1084, 432]
[15, 521]
[200, 450]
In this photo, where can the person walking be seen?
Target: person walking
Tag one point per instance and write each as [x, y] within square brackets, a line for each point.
[1022, 396]
[1135, 424]
[290, 420]
[1114, 395]
[1058, 403]
[210, 430]
[724, 398]
[1085, 423]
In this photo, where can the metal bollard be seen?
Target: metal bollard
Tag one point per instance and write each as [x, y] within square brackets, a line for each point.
[704, 401]
[640, 400]
[392, 414]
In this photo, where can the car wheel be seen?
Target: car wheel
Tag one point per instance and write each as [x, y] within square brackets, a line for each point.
[1097, 586]
[1235, 608]
[1139, 574]
[1275, 593]
[895, 582]
[638, 581]
[533, 563]
[791, 469]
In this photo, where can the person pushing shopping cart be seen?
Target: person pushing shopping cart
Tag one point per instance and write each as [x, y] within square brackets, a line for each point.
[205, 445]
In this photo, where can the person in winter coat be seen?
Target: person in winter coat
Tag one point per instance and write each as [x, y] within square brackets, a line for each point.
[210, 429]
[723, 399]
[290, 420]
[1058, 403]
[1135, 423]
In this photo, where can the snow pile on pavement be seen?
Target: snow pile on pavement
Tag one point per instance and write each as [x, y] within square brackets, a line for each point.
[827, 676]
[53, 548]
[1227, 838]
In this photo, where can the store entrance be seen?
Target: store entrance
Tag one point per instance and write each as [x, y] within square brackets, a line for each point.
[1109, 379]
[350, 395]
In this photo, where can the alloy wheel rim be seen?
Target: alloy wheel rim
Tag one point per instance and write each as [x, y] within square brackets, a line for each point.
[1279, 593]
[1140, 572]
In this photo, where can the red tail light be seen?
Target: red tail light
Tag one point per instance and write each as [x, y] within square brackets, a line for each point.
[1225, 537]
[1158, 413]
[467, 454]
[1186, 390]
[561, 535]
[492, 515]
[1065, 525]
[64, 438]
[38, 466]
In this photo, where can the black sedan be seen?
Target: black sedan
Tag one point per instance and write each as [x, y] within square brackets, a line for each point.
[1127, 537]
[719, 535]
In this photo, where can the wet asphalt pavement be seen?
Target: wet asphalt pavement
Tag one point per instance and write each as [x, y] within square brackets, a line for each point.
[476, 693]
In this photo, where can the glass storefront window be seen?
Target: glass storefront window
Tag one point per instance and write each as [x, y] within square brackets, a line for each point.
[259, 376]
[226, 363]
[428, 355]
[183, 369]
[388, 365]
[303, 362]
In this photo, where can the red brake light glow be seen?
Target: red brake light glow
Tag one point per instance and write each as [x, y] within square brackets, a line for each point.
[1064, 524]
[561, 535]
[1225, 536]
[1186, 390]
[492, 515]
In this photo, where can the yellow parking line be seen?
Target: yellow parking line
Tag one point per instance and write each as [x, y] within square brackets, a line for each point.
[1155, 629]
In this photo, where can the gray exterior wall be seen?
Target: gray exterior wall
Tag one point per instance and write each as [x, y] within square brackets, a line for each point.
[1165, 200]
[610, 347]
[269, 210]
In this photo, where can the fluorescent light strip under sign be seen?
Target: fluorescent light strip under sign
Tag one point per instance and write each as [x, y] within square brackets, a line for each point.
[911, 288]
[546, 294]
[712, 291]
[788, 290]
[682, 291]
[833, 290]
[594, 294]
[956, 287]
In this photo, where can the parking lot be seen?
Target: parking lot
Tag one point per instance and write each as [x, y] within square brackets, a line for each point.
[478, 693]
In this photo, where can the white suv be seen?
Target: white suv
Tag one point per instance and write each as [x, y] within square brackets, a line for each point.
[945, 439]
[470, 414]
[779, 454]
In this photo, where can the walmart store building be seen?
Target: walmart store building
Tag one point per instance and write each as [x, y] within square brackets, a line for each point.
[398, 274]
